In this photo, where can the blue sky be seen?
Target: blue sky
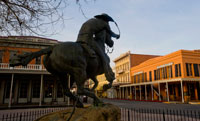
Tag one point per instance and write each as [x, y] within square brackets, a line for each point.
[156, 27]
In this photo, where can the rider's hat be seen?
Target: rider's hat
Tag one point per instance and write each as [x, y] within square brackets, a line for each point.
[105, 17]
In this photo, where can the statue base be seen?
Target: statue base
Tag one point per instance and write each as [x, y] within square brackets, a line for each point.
[107, 112]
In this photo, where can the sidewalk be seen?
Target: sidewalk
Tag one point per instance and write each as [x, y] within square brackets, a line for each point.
[29, 106]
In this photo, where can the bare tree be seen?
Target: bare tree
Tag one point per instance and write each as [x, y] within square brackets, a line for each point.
[30, 16]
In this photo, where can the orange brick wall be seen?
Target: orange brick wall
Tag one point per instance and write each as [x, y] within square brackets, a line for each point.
[181, 56]
[6, 53]
[136, 59]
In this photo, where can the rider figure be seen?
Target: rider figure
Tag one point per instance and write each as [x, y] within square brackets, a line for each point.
[86, 37]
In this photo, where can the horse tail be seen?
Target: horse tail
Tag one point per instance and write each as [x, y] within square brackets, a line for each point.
[24, 59]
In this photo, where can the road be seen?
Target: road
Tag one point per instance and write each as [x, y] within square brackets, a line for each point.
[151, 105]
[155, 111]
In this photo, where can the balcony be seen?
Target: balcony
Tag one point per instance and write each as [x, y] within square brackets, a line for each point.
[29, 67]
[120, 71]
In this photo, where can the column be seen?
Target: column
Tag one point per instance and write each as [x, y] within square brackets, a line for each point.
[167, 91]
[195, 90]
[159, 91]
[16, 91]
[140, 93]
[29, 91]
[182, 91]
[126, 92]
[198, 91]
[41, 90]
[68, 98]
[199, 88]
[55, 91]
[152, 92]
[11, 88]
[145, 92]
[120, 92]
[2, 88]
[131, 95]
[135, 92]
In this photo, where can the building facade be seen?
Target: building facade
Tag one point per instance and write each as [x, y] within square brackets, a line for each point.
[173, 77]
[123, 64]
[31, 84]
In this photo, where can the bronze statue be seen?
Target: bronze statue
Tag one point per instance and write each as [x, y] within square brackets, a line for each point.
[70, 58]
[87, 34]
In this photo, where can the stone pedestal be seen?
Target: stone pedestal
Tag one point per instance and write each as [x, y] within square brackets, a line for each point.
[107, 112]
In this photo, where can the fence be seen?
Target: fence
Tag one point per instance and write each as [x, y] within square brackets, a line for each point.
[126, 114]
[27, 115]
[159, 115]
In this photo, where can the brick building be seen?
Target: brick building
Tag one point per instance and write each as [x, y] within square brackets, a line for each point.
[31, 84]
[123, 64]
[173, 77]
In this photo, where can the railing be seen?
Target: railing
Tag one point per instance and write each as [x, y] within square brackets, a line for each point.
[126, 114]
[159, 115]
[28, 67]
[27, 115]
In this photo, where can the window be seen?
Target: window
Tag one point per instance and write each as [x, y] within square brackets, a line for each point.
[7, 89]
[145, 77]
[170, 72]
[23, 88]
[12, 53]
[165, 73]
[150, 76]
[177, 70]
[1, 56]
[117, 69]
[162, 73]
[59, 90]
[172, 89]
[134, 79]
[8, 84]
[129, 77]
[137, 79]
[189, 69]
[158, 74]
[48, 89]
[196, 70]
[38, 60]
[155, 73]
[36, 88]
[142, 77]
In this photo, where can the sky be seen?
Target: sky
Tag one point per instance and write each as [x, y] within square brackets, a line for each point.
[155, 27]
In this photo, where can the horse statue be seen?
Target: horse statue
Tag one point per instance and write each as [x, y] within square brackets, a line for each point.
[69, 58]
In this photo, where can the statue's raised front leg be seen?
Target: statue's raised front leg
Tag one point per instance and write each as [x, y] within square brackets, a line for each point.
[94, 79]
[64, 81]
[82, 91]
[80, 79]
